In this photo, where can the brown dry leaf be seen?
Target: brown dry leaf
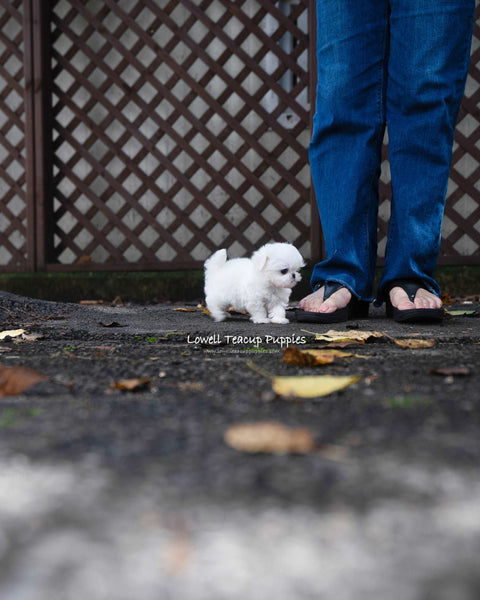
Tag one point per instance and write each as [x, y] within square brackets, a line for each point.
[91, 302]
[234, 311]
[177, 555]
[345, 344]
[451, 371]
[305, 358]
[269, 437]
[131, 385]
[14, 380]
[313, 357]
[181, 309]
[311, 386]
[11, 333]
[333, 452]
[447, 299]
[111, 324]
[346, 336]
[415, 343]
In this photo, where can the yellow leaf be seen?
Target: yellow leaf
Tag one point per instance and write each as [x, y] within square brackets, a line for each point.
[414, 343]
[180, 309]
[346, 336]
[461, 313]
[311, 386]
[271, 437]
[11, 333]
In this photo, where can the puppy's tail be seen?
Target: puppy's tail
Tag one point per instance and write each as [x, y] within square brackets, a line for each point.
[217, 260]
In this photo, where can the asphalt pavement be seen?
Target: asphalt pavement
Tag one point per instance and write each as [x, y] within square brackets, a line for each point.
[118, 480]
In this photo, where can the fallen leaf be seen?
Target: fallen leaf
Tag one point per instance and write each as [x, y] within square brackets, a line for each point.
[333, 452]
[269, 437]
[346, 336]
[335, 353]
[345, 344]
[14, 380]
[234, 311]
[311, 386]
[91, 302]
[111, 324]
[184, 309]
[446, 299]
[304, 358]
[462, 313]
[305, 386]
[414, 343]
[11, 333]
[177, 555]
[131, 385]
[313, 357]
[451, 371]
[32, 337]
[191, 386]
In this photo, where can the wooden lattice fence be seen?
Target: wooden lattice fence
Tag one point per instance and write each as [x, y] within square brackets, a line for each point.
[146, 134]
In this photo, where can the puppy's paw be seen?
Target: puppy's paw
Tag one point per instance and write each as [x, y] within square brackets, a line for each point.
[218, 316]
[279, 320]
[259, 319]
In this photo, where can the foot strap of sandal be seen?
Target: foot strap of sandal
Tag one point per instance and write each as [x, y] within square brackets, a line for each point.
[409, 286]
[330, 288]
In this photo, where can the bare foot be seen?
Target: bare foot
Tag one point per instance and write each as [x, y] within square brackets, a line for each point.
[314, 302]
[423, 299]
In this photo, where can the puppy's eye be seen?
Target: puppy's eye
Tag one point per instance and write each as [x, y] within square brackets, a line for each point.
[284, 271]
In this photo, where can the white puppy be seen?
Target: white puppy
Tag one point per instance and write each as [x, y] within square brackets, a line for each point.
[260, 285]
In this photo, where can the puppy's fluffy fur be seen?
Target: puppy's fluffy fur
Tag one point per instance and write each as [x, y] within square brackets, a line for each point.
[260, 285]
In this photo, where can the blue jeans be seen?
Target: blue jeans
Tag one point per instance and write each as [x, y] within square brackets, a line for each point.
[398, 62]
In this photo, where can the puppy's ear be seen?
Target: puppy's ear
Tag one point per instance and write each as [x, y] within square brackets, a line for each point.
[260, 260]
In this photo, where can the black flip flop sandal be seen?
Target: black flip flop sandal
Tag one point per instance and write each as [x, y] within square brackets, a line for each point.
[411, 315]
[355, 309]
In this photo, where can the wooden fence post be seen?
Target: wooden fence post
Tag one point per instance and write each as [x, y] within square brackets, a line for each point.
[38, 125]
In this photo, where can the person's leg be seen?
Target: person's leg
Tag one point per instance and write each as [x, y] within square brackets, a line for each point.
[352, 46]
[428, 64]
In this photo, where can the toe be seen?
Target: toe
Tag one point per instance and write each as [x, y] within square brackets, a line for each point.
[423, 299]
[312, 302]
[400, 299]
[315, 303]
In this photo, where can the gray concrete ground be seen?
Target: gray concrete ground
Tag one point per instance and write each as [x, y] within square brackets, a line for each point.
[114, 495]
